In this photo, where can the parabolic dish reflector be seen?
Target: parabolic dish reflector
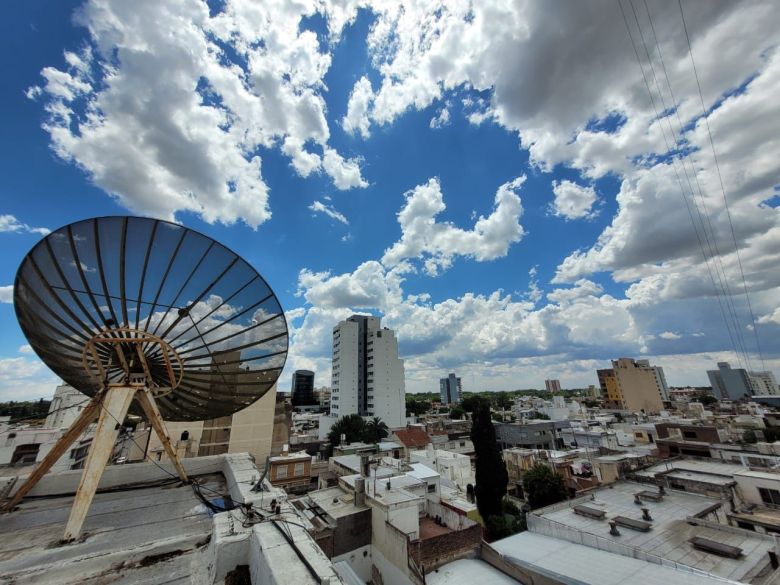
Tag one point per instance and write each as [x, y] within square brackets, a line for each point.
[211, 332]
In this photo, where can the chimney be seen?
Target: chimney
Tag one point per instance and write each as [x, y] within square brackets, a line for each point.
[365, 465]
[360, 491]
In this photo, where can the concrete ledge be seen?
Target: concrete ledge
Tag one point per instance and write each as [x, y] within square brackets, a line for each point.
[66, 482]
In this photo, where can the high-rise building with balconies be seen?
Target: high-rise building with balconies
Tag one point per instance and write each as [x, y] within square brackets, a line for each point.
[367, 375]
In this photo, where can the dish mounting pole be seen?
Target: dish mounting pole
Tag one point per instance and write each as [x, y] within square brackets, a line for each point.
[110, 406]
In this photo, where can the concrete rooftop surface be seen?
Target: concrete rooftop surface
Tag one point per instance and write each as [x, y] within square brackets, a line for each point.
[146, 528]
[577, 564]
[668, 538]
[151, 535]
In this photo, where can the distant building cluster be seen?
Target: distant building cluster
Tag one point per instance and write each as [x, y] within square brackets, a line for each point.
[737, 383]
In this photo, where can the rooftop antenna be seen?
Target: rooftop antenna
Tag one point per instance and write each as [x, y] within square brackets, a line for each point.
[150, 317]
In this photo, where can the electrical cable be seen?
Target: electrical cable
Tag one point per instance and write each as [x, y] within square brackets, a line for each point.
[718, 293]
[722, 187]
[711, 241]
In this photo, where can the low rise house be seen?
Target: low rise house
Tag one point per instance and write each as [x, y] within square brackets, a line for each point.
[675, 438]
[291, 471]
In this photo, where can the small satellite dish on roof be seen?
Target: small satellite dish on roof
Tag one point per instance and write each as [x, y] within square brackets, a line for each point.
[125, 308]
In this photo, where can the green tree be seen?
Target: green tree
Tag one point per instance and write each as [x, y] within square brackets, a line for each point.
[772, 434]
[490, 471]
[503, 400]
[540, 415]
[352, 426]
[706, 399]
[416, 407]
[457, 412]
[469, 403]
[375, 430]
[543, 486]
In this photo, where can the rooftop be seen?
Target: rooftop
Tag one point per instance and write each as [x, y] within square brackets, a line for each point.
[412, 437]
[143, 535]
[468, 571]
[145, 528]
[421, 471]
[335, 502]
[717, 468]
[584, 564]
[300, 456]
[670, 532]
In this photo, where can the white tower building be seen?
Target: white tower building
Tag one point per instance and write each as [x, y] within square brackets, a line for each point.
[368, 376]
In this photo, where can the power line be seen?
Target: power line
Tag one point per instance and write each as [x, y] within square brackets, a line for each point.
[722, 187]
[679, 181]
[711, 241]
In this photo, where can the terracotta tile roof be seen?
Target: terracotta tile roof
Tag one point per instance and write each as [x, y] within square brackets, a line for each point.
[412, 437]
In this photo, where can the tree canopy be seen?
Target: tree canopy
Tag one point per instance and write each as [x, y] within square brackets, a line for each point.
[543, 486]
[351, 426]
[416, 407]
[29, 409]
[457, 412]
[375, 430]
[354, 428]
[491, 475]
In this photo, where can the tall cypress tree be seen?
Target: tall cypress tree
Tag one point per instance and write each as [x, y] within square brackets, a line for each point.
[491, 472]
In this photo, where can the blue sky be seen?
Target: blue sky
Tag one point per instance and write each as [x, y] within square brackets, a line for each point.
[500, 190]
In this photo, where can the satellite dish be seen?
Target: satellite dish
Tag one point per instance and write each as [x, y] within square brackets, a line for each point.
[130, 307]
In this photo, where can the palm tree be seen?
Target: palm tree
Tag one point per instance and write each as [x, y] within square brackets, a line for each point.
[375, 430]
[351, 426]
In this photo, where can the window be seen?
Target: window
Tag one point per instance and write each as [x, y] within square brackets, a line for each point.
[432, 488]
[463, 443]
[769, 496]
[298, 469]
[689, 434]
[281, 472]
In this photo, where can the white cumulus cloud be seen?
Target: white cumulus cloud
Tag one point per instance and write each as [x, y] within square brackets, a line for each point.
[9, 223]
[437, 243]
[169, 104]
[573, 201]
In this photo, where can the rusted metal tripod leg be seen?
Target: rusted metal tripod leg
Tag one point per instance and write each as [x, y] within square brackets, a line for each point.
[115, 404]
[87, 416]
[146, 399]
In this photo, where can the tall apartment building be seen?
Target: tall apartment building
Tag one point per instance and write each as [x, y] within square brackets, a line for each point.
[764, 383]
[367, 375]
[660, 377]
[729, 383]
[450, 389]
[302, 388]
[552, 385]
[633, 385]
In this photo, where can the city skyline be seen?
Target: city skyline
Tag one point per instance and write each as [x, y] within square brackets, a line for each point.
[510, 222]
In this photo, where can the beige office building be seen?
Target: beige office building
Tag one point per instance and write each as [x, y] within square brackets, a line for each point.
[633, 385]
[259, 430]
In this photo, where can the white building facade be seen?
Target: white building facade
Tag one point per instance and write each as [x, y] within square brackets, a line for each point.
[65, 407]
[764, 384]
[367, 375]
